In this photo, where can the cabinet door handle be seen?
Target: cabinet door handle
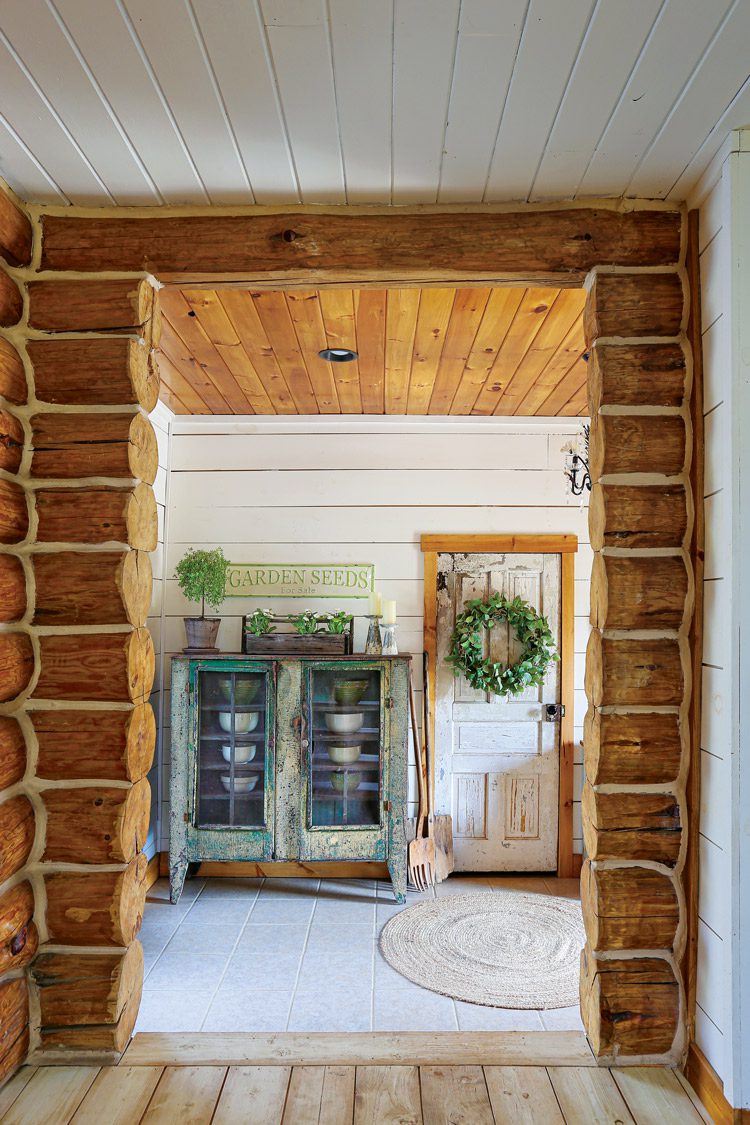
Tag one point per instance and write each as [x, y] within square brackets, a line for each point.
[305, 743]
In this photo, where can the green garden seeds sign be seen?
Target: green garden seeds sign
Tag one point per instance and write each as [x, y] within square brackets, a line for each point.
[295, 580]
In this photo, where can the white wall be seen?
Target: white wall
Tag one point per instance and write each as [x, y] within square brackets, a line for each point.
[364, 490]
[161, 419]
[724, 201]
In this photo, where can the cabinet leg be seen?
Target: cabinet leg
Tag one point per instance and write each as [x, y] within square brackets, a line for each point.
[397, 872]
[177, 873]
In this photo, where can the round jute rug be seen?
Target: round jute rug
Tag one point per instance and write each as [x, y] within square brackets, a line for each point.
[504, 949]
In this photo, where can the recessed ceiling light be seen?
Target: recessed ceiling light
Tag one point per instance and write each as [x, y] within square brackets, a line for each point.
[338, 355]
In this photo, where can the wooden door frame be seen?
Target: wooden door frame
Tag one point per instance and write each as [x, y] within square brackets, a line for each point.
[566, 547]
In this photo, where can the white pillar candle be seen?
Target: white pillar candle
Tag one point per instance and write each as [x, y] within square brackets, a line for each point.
[374, 604]
[389, 613]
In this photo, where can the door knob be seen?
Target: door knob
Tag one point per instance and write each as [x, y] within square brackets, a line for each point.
[553, 712]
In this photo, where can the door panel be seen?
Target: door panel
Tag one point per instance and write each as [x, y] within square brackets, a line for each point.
[497, 759]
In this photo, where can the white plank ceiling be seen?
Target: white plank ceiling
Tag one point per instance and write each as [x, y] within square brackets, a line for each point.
[366, 101]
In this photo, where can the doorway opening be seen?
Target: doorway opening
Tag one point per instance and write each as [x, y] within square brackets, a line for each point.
[454, 413]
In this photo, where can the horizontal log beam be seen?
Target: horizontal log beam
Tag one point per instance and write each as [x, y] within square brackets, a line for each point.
[97, 908]
[99, 305]
[635, 516]
[628, 908]
[14, 1025]
[77, 989]
[101, 371]
[633, 672]
[631, 749]
[96, 824]
[11, 442]
[98, 515]
[627, 443]
[12, 588]
[94, 445]
[16, 665]
[15, 233]
[14, 512]
[17, 828]
[92, 588]
[12, 752]
[630, 1007]
[636, 375]
[13, 384]
[638, 593]
[390, 244]
[108, 1037]
[97, 667]
[95, 745]
[19, 939]
[11, 301]
[640, 304]
[633, 826]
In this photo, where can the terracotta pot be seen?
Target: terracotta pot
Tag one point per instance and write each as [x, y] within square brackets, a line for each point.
[201, 633]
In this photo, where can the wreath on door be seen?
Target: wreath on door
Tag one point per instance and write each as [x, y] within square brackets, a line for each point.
[531, 629]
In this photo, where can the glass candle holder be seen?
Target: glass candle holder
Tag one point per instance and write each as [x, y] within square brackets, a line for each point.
[389, 640]
[374, 643]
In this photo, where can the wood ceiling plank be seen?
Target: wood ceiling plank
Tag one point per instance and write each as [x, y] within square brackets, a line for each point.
[304, 309]
[173, 347]
[567, 354]
[400, 325]
[567, 306]
[572, 384]
[434, 316]
[528, 321]
[468, 310]
[498, 316]
[170, 379]
[337, 308]
[239, 307]
[277, 323]
[370, 313]
[206, 303]
[200, 347]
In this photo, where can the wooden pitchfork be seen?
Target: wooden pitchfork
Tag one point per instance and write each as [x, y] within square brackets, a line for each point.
[422, 847]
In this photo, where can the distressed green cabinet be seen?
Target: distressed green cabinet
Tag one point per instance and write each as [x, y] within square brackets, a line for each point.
[288, 759]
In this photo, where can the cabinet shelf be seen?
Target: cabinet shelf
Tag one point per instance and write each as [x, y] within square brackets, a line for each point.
[364, 734]
[253, 767]
[360, 765]
[256, 795]
[239, 739]
[344, 708]
[239, 708]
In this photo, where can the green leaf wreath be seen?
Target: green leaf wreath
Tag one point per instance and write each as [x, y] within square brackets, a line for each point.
[532, 630]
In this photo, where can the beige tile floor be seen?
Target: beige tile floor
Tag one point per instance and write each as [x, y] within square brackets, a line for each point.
[302, 955]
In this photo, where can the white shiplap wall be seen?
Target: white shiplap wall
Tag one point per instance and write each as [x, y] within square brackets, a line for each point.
[364, 490]
[161, 419]
[724, 844]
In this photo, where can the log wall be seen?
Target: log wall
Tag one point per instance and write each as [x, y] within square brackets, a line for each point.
[77, 520]
[78, 456]
[638, 664]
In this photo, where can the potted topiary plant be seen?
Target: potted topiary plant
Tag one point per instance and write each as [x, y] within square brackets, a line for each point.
[201, 576]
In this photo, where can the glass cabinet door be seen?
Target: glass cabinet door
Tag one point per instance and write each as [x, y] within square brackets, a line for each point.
[345, 748]
[233, 716]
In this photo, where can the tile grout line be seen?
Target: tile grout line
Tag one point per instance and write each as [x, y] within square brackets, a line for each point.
[302, 955]
[233, 950]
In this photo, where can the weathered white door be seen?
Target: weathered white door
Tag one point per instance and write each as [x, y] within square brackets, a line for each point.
[497, 759]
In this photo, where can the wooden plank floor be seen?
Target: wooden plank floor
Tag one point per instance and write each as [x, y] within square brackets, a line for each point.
[320, 1092]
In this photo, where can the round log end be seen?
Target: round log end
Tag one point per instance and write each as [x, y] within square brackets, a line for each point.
[140, 741]
[11, 301]
[141, 662]
[594, 667]
[136, 581]
[143, 454]
[16, 665]
[12, 751]
[14, 513]
[142, 519]
[12, 588]
[13, 385]
[133, 826]
[17, 829]
[11, 442]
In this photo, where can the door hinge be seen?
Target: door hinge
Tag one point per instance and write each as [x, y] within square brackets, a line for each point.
[553, 712]
[186, 817]
[387, 806]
